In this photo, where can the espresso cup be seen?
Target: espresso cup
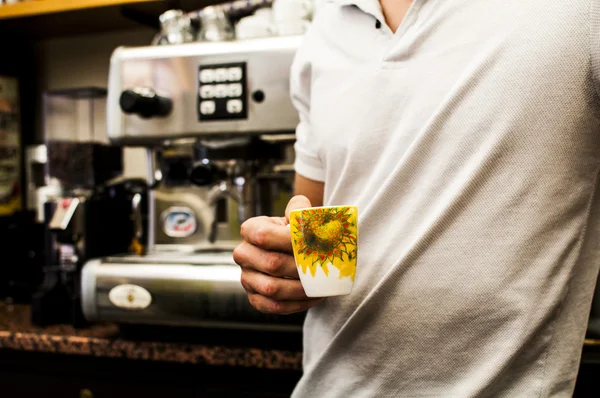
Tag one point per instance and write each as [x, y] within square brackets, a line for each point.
[260, 24]
[253, 27]
[325, 246]
[284, 10]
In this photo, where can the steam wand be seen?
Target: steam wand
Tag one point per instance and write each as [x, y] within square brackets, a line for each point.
[224, 190]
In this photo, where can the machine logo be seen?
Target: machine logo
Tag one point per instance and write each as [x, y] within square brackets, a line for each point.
[179, 222]
[130, 297]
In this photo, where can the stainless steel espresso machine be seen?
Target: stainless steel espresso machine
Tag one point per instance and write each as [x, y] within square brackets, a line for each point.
[218, 124]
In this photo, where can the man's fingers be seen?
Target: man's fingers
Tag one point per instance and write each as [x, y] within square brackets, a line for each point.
[272, 233]
[296, 203]
[271, 263]
[272, 287]
[269, 272]
[271, 306]
[267, 233]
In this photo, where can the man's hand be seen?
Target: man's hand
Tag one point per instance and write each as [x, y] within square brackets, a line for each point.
[269, 272]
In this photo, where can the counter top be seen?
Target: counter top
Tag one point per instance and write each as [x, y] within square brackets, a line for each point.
[235, 349]
[108, 341]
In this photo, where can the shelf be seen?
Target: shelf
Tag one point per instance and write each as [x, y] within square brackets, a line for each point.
[592, 342]
[45, 7]
[42, 19]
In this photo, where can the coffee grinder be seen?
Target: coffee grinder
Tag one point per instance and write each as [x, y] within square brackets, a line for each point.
[94, 213]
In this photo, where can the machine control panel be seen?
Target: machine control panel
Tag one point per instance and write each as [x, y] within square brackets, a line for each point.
[222, 92]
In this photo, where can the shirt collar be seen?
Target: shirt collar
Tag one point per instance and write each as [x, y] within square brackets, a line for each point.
[353, 2]
[369, 6]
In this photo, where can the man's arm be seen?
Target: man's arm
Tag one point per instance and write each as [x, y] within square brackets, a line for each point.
[313, 190]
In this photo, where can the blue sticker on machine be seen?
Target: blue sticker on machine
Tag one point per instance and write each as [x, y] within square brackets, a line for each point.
[179, 222]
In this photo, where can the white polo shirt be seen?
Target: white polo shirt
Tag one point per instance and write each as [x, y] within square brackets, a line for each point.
[470, 141]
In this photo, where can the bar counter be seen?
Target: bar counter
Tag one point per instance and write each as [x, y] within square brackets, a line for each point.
[105, 340]
[105, 360]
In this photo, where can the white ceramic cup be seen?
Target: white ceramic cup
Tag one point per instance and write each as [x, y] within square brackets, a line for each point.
[260, 24]
[325, 245]
[285, 10]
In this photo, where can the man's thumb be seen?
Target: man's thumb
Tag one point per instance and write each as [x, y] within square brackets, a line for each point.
[296, 203]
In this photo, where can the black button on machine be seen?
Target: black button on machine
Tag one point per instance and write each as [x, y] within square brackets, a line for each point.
[378, 24]
[145, 103]
[258, 96]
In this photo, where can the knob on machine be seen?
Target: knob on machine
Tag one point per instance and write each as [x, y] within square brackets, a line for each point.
[206, 173]
[145, 103]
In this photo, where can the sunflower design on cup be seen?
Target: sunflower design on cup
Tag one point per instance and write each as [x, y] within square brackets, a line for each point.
[325, 244]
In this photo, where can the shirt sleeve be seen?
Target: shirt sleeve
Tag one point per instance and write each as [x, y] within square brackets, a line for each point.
[307, 161]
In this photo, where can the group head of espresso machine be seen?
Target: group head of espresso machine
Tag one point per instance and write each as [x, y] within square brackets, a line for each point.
[218, 125]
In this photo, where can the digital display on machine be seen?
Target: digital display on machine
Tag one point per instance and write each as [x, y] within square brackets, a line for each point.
[222, 92]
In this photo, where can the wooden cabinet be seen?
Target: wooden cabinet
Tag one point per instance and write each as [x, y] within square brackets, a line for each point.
[42, 7]
[33, 375]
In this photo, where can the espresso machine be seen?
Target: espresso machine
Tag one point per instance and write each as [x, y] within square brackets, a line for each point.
[218, 125]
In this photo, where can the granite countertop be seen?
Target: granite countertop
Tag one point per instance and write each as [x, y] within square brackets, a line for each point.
[106, 340]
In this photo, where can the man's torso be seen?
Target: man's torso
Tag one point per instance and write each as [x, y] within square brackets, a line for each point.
[469, 140]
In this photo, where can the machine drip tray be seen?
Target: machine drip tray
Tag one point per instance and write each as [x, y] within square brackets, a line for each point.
[167, 291]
